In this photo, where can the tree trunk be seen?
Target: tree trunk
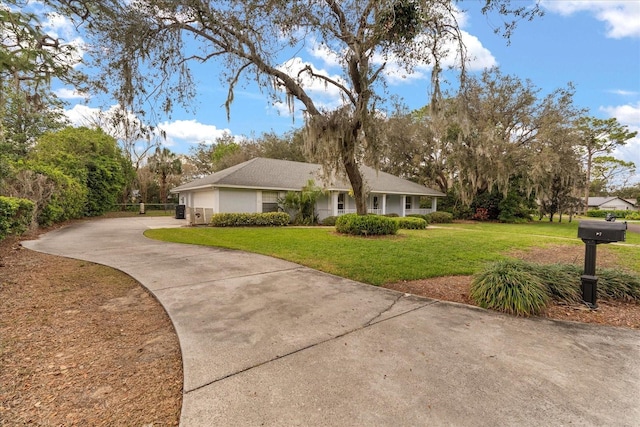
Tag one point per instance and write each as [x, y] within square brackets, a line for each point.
[586, 193]
[351, 167]
[357, 184]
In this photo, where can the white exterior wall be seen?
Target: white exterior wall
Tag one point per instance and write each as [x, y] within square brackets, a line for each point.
[324, 206]
[394, 204]
[202, 199]
[620, 205]
[238, 201]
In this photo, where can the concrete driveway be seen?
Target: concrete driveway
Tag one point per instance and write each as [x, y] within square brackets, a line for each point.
[266, 342]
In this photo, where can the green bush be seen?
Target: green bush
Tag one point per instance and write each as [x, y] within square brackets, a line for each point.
[439, 217]
[597, 213]
[410, 223]
[507, 286]
[425, 217]
[15, 215]
[330, 220]
[366, 225]
[392, 215]
[268, 219]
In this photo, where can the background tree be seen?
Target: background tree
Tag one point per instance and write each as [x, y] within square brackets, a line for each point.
[90, 156]
[164, 164]
[599, 137]
[610, 174]
[146, 41]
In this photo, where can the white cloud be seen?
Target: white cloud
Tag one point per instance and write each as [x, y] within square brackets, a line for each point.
[81, 115]
[190, 131]
[628, 115]
[65, 93]
[294, 66]
[622, 17]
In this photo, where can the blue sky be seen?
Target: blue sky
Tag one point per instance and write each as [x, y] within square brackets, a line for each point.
[593, 44]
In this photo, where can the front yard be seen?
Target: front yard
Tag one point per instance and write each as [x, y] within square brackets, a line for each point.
[445, 250]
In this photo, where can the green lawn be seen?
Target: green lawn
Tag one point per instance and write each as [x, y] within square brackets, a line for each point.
[449, 249]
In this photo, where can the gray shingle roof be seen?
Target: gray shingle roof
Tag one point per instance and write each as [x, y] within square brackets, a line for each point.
[272, 174]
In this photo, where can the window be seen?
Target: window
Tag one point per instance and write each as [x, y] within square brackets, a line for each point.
[341, 201]
[407, 202]
[269, 201]
[375, 202]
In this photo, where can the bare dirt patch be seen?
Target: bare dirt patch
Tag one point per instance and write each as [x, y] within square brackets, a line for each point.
[82, 344]
[612, 313]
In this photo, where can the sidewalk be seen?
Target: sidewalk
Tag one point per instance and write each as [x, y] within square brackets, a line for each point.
[269, 342]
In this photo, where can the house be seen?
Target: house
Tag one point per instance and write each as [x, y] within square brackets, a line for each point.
[255, 186]
[612, 203]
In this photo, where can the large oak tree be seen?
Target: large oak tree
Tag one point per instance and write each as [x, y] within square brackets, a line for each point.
[146, 48]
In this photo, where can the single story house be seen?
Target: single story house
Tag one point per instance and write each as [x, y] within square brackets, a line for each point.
[255, 186]
[612, 203]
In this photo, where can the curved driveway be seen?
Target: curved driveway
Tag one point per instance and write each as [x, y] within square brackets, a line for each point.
[269, 342]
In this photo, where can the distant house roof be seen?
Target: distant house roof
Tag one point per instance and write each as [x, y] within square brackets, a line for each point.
[285, 175]
[599, 201]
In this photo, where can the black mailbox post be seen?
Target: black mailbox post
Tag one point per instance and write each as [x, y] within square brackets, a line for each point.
[593, 233]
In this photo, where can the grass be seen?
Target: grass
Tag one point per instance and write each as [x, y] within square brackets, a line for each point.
[450, 249]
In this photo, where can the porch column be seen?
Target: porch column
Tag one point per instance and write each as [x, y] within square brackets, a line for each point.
[384, 204]
[216, 200]
[258, 201]
[403, 205]
[334, 203]
[434, 204]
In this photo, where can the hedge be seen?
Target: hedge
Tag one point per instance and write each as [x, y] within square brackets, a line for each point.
[440, 217]
[425, 217]
[366, 225]
[622, 214]
[330, 220]
[269, 219]
[410, 223]
[15, 215]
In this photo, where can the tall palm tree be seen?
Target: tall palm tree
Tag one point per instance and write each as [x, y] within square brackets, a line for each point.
[164, 163]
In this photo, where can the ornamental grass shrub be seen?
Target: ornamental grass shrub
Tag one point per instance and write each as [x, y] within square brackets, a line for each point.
[366, 225]
[525, 289]
[508, 287]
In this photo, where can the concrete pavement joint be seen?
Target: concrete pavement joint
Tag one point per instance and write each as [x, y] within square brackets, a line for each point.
[278, 357]
[229, 278]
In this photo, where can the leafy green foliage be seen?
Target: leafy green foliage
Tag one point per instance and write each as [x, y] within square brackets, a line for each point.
[597, 213]
[15, 215]
[330, 220]
[366, 225]
[68, 198]
[90, 156]
[506, 286]
[411, 223]
[439, 217]
[426, 217]
[302, 204]
[267, 219]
